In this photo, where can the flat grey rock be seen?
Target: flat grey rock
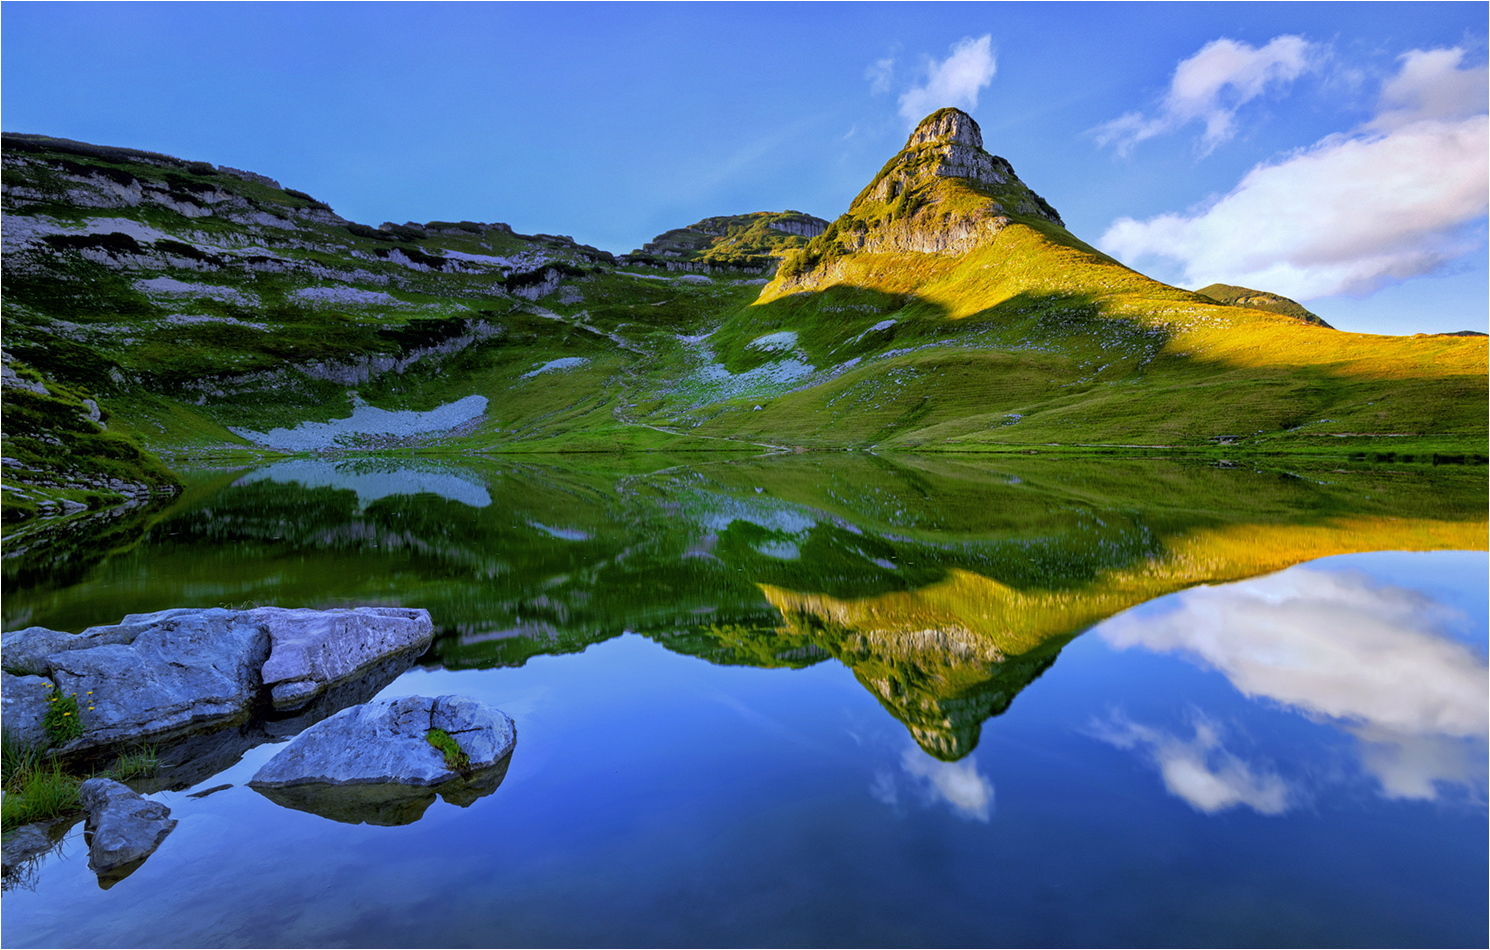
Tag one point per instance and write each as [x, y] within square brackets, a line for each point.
[26, 847]
[25, 844]
[313, 649]
[384, 742]
[160, 676]
[188, 670]
[23, 705]
[124, 828]
[26, 651]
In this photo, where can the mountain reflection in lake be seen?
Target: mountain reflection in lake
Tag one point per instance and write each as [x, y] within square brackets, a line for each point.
[1297, 757]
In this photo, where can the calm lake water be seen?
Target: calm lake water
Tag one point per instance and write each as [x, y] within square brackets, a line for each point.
[824, 700]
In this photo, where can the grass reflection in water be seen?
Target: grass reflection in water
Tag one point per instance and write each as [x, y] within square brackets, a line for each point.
[946, 586]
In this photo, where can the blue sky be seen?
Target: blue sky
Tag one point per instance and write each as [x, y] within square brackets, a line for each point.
[1334, 151]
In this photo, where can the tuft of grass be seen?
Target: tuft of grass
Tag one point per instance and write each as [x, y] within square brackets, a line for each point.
[16, 759]
[33, 791]
[455, 759]
[41, 793]
[136, 763]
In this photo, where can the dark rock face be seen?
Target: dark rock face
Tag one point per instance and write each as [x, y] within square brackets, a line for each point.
[123, 828]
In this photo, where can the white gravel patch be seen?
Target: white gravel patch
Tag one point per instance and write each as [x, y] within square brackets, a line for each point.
[375, 481]
[20, 230]
[367, 420]
[171, 287]
[186, 319]
[553, 366]
[772, 342]
[355, 296]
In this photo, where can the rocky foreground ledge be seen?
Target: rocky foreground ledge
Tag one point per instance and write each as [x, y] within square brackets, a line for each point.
[161, 676]
[202, 686]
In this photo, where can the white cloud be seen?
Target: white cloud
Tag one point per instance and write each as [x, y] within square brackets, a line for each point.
[880, 74]
[1400, 197]
[958, 784]
[1200, 770]
[1431, 85]
[954, 81]
[1338, 648]
[1211, 86]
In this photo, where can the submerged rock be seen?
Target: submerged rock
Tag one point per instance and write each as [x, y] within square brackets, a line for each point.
[375, 763]
[123, 828]
[25, 848]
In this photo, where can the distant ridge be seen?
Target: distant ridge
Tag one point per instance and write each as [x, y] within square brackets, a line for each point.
[1234, 296]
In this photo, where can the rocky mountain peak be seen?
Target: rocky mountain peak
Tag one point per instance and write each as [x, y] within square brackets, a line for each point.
[947, 126]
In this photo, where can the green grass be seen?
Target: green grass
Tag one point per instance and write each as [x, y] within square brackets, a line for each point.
[34, 789]
[456, 760]
[136, 763]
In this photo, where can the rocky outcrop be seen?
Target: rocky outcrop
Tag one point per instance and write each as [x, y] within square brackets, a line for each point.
[160, 676]
[948, 144]
[942, 194]
[956, 235]
[314, 648]
[805, 226]
[375, 762]
[123, 828]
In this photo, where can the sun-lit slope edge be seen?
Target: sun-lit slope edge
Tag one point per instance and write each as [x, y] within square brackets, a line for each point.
[1015, 331]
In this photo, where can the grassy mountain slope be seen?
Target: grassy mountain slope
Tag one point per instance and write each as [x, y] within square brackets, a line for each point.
[197, 308]
[954, 312]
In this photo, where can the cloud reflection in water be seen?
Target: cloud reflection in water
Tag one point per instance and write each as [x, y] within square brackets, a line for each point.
[959, 784]
[1201, 770]
[1372, 660]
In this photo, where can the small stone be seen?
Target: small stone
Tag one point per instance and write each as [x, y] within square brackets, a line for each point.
[124, 828]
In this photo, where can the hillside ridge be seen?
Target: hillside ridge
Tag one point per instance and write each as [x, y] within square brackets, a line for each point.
[157, 308]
